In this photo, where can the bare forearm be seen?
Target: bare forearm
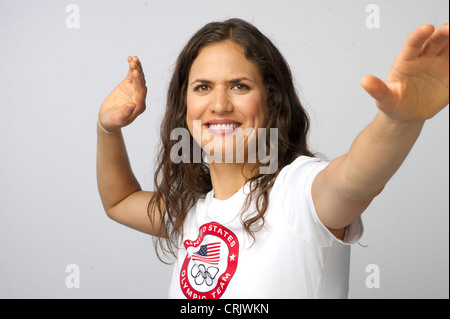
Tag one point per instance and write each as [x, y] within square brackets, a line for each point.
[115, 178]
[376, 154]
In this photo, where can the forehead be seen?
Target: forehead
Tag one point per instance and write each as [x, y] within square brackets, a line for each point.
[223, 60]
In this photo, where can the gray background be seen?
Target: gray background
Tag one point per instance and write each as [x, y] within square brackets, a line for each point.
[53, 80]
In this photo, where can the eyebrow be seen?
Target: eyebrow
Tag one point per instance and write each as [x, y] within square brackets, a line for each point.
[233, 81]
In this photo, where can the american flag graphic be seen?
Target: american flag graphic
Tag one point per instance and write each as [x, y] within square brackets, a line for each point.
[209, 254]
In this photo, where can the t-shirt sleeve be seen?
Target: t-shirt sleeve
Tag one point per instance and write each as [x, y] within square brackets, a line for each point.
[295, 182]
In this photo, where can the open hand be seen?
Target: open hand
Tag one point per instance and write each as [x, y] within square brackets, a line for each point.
[417, 86]
[126, 101]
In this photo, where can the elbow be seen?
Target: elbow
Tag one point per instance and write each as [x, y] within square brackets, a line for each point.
[109, 214]
[109, 210]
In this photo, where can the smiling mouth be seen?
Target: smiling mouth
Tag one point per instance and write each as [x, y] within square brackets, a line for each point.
[222, 128]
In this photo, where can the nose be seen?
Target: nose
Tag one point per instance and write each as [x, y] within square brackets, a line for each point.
[220, 101]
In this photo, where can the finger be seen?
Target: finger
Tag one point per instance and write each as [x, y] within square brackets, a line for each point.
[415, 41]
[136, 66]
[139, 82]
[134, 63]
[444, 53]
[436, 43]
[378, 90]
[139, 67]
[140, 89]
[129, 76]
[138, 62]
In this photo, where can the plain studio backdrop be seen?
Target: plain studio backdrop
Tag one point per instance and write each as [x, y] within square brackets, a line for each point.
[60, 59]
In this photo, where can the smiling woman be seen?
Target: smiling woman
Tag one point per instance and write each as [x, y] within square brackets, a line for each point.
[234, 96]
[236, 231]
[228, 73]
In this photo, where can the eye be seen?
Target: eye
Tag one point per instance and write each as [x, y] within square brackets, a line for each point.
[202, 88]
[241, 87]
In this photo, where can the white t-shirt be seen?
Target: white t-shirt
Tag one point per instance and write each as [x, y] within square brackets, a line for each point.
[294, 255]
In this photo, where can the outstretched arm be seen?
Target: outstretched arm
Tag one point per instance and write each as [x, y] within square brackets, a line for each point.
[415, 90]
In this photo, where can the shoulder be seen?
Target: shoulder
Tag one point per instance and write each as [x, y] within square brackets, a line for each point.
[301, 170]
[292, 188]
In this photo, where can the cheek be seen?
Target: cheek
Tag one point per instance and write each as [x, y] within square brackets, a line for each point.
[253, 108]
[193, 111]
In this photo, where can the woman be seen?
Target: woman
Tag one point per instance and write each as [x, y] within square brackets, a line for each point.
[237, 230]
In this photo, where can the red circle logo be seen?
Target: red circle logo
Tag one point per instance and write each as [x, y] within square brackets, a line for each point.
[210, 262]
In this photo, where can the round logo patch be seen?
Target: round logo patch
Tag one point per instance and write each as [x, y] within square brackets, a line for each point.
[210, 262]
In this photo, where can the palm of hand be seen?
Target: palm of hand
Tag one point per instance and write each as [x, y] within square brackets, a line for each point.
[123, 94]
[417, 86]
[126, 101]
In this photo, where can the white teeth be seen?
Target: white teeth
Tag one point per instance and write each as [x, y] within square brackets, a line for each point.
[223, 126]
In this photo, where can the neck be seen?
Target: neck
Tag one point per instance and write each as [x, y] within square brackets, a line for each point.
[228, 178]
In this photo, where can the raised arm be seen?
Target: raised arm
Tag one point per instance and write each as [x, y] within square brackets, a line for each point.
[415, 90]
[120, 192]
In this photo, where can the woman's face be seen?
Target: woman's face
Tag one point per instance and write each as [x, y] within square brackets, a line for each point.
[225, 93]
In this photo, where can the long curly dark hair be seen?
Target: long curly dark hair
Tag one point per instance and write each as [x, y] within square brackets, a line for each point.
[179, 186]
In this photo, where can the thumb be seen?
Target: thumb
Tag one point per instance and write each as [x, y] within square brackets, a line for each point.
[128, 109]
[378, 90]
[123, 117]
[127, 113]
